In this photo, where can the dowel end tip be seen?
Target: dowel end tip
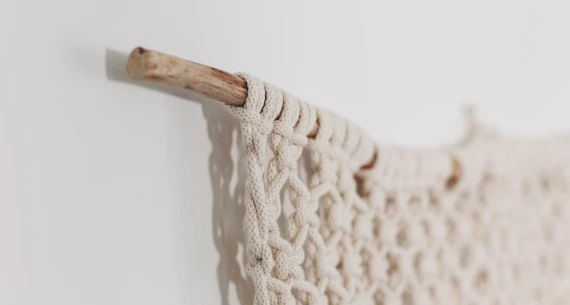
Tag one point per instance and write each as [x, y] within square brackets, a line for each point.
[137, 64]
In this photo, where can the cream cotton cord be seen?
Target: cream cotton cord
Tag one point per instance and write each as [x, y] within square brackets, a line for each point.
[397, 233]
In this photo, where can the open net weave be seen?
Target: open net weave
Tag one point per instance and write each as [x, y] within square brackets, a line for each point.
[405, 231]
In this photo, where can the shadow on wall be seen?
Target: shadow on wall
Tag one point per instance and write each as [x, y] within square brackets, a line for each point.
[226, 177]
[227, 180]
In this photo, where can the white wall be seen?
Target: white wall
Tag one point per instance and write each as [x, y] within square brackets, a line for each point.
[112, 192]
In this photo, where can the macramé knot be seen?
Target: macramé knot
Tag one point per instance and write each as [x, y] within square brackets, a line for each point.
[265, 127]
[352, 265]
[379, 268]
[283, 129]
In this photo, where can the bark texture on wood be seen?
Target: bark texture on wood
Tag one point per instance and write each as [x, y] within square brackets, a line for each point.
[213, 83]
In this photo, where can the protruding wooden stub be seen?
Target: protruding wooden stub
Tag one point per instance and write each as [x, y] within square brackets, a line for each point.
[213, 83]
[456, 173]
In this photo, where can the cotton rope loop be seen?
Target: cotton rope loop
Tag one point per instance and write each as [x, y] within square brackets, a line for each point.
[330, 231]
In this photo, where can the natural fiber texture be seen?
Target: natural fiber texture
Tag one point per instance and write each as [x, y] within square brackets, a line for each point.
[400, 232]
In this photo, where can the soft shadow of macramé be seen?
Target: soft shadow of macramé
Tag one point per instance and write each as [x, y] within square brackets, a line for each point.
[227, 179]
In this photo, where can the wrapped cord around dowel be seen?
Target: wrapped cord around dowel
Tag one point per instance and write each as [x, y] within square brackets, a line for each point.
[480, 223]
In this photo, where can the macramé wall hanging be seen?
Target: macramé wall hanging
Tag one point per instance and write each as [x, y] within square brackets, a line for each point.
[486, 222]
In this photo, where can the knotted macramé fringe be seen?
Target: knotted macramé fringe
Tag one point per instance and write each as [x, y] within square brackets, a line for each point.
[397, 233]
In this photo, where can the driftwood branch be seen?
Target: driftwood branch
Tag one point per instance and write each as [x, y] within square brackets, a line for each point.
[144, 64]
[213, 83]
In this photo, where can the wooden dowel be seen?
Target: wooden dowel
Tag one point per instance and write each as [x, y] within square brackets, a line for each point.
[225, 87]
[210, 82]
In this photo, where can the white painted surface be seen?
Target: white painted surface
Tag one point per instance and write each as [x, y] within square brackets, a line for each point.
[111, 192]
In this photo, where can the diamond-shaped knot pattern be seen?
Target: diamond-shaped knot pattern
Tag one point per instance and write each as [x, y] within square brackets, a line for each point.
[398, 232]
